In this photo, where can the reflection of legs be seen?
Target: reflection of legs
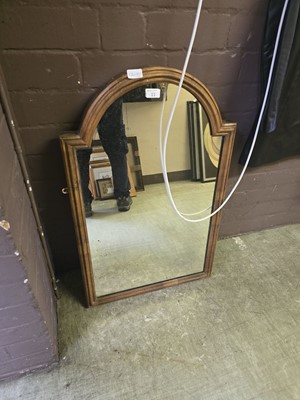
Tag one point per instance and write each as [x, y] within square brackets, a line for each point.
[113, 138]
[118, 163]
[83, 157]
[120, 176]
[121, 182]
[115, 146]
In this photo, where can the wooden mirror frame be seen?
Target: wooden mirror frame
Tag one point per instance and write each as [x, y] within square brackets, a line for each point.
[71, 142]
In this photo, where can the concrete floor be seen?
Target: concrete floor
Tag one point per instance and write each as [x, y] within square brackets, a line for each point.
[233, 336]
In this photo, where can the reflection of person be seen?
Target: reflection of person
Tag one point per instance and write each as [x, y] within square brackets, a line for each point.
[111, 130]
[112, 134]
[83, 157]
[113, 139]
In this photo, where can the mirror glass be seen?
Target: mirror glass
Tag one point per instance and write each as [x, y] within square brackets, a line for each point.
[150, 243]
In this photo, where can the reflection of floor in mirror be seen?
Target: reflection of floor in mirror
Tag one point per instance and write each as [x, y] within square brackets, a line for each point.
[149, 243]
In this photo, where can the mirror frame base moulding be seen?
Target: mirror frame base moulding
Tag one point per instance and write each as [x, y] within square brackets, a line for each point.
[72, 141]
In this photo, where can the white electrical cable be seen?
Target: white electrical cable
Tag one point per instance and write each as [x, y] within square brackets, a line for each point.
[163, 152]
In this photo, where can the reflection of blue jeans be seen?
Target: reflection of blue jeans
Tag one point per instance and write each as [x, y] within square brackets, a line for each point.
[113, 139]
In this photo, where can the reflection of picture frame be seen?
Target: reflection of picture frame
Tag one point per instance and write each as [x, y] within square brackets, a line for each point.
[105, 188]
[98, 154]
[134, 162]
[204, 149]
[99, 170]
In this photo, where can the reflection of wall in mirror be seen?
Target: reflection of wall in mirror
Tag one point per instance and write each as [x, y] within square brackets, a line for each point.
[142, 120]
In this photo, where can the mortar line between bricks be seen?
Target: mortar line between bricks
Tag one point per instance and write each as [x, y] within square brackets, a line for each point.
[18, 326]
[119, 52]
[49, 125]
[83, 90]
[54, 50]
[26, 355]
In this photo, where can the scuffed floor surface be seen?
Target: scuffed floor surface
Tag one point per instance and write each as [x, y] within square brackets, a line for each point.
[233, 336]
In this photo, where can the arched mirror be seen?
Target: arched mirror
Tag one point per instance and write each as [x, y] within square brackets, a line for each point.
[148, 247]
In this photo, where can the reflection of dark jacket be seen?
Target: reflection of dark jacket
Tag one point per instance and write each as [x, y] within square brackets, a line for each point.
[83, 157]
[111, 127]
[112, 130]
[279, 132]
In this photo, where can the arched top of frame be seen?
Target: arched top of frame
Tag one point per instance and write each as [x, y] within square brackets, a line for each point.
[123, 84]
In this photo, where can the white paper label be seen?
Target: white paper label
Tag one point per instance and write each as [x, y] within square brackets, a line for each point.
[134, 73]
[152, 93]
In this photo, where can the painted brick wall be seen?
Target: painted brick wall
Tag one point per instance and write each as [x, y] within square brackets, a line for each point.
[57, 53]
[28, 325]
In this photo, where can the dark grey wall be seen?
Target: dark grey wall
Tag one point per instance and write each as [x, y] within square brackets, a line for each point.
[57, 53]
[267, 197]
[28, 326]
